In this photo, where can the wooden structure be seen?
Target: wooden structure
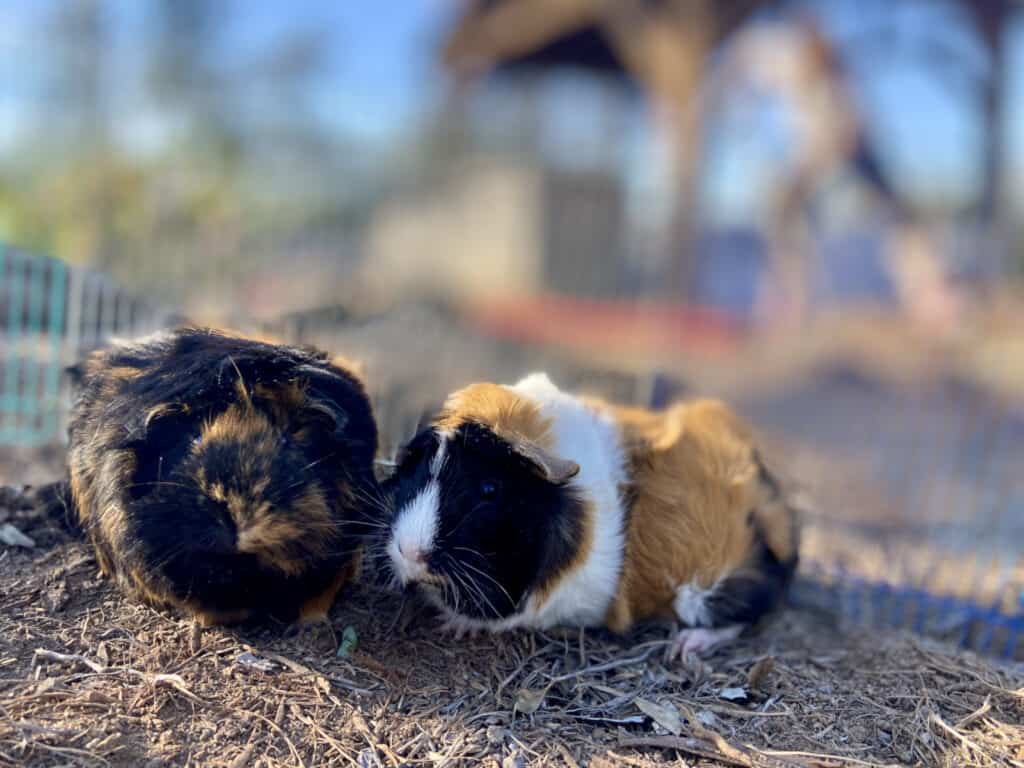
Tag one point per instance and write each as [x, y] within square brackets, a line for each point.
[660, 45]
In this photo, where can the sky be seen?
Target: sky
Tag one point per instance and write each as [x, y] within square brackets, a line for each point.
[381, 83]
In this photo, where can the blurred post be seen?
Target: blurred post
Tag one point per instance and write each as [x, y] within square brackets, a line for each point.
[665, 50]
[663, 46]
[991, 19]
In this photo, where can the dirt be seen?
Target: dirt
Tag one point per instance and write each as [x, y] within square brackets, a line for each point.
[89, 678]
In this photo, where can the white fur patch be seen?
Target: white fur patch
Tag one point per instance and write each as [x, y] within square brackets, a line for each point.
[591, 439]
[413, 533]
[691, 605]
[128, 344]
[437, 463]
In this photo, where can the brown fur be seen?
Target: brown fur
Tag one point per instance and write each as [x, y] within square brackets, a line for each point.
[214, 619]
[497, 407]
[100, 469]
[696, 490]
[271, 537]
[318, 606]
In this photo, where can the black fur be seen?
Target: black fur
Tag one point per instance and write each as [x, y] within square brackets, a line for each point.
[492, 552]
[136, 449]
[752, 592]
[758, 588]
[54, 501]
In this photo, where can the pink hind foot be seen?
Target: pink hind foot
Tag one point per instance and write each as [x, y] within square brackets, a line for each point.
[699, 640]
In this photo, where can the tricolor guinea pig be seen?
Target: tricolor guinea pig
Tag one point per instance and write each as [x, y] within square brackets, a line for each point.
[225, 476]
[526, 506]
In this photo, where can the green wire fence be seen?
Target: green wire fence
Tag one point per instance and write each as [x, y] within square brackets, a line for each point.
[50, 315]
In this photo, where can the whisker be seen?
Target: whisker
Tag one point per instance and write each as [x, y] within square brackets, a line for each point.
[492, 580]
[474, 590]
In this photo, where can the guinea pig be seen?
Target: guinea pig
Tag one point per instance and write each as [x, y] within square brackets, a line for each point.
[526, 506]
[228, 477]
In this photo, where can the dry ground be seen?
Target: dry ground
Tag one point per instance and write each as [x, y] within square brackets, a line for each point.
[89, 678]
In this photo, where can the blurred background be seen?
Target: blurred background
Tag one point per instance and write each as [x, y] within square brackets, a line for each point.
[811, 208]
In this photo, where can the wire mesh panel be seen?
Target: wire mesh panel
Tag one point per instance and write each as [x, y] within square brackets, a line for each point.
[917, 518]
[51, 315]
[32, 303]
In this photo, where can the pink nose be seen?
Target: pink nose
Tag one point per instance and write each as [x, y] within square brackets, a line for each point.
[412, 553]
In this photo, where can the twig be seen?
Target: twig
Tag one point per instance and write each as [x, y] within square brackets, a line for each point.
[302, 669]
[173, 681]
[566, 755]
[68, 658]
[243, 759]
[688, 745]
[331, 741]
[360, 723]
[934, 718]
[280, 732]
[723, 746]
[605, 667]
[979, 713]
[832, 760]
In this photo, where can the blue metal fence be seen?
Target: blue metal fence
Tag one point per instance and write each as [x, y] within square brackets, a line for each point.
[50, 315]
[33, 290]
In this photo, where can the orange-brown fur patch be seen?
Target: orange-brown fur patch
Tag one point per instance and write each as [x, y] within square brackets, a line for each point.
[142, 585]
[318, 606]
[269, 538]
[242, 423]
[207, 618]
[272, 538]
[124, 372]
[112, 519]
[283, 401]
[354, 367]
[694, 483]
[80, 494]
[507, 414]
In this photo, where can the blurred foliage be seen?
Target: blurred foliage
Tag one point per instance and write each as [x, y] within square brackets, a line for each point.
[238, 149]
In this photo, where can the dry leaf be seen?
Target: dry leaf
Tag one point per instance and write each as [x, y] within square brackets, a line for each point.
[664, 715]
[707, 718]
[734, 694]
[252, 661]
[528, 701]
[12, 537]
[758, 672]
[349, 641]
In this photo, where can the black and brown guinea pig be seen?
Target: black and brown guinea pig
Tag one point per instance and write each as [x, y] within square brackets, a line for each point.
[225, 476]
[526, 506]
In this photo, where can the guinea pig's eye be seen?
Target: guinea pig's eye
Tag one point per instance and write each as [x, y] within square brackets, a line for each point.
[197, 440]
[489, 489]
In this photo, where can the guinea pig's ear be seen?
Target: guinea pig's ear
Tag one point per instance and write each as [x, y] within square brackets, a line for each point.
[552, 468]
[321, 387]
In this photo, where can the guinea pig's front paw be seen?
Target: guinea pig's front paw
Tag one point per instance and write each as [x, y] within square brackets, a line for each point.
[698, 640]
[458, 627]
[315, 631]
